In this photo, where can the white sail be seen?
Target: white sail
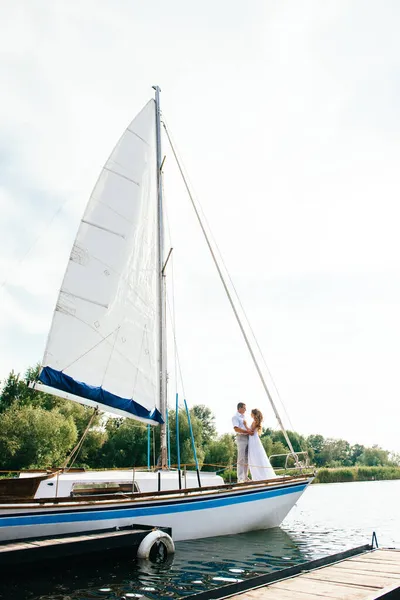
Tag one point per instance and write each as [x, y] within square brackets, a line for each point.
[103, 347]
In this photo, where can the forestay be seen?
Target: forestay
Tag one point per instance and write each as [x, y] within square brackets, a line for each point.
[103, 345]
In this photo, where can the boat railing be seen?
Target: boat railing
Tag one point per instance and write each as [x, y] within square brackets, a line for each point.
[301, 461]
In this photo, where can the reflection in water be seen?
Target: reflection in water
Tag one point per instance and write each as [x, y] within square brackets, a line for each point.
[327, 519]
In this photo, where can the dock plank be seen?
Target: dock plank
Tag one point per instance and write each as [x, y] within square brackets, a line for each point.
[362, 577]
[379, 560]
[355, 577]
[274, 593]
[321, 588]
[372, 566]
[381, 554]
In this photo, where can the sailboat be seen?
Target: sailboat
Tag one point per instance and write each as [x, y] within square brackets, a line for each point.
[107, 349]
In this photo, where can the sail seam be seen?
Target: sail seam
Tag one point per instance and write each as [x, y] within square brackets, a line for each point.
[138, 136]
[85, 299]
[113, 210]
[123, 279]
[120, 175]
[103, 228]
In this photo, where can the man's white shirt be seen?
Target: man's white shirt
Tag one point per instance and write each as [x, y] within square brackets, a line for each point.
[238, 421]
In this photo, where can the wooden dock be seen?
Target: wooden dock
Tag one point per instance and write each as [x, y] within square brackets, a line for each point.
[81, 545]
[375, 574]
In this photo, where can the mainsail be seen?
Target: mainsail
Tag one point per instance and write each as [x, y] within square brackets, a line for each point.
[103, 346]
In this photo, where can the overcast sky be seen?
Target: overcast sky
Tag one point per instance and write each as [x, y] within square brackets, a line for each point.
[286, 115]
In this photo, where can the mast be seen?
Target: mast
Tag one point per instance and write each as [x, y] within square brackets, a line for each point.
[161, 287]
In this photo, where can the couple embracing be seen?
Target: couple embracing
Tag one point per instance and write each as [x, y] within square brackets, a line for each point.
[250, 451]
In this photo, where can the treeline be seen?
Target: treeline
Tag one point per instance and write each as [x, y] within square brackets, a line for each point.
[39, 430]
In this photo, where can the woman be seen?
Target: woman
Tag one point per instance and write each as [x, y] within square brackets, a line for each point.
[260, 467]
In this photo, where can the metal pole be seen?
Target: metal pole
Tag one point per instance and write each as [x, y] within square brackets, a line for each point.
[168, 440]
[193, 444]
[161, 287]
[178, 451]
[148, 447]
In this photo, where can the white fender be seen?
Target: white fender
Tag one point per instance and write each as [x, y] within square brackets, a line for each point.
[154, 537]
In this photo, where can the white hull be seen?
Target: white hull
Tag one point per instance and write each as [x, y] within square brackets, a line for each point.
[195, 515]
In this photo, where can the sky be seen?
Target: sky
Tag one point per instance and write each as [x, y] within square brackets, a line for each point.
[286, 115]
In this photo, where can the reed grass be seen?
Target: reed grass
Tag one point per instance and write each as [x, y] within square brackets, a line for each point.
[344, 474]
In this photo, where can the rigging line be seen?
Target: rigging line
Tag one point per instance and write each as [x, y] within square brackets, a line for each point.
[103, 339]
[111, 353]
[176, 348]
[78, 446]
[172, 279]
[154, 447]
[256, 340]
[194, 205]
[174, 327]
[240, 303]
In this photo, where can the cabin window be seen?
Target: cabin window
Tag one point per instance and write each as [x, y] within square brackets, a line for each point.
[101, 487]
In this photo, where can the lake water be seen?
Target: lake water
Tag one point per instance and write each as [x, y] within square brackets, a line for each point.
[327, 519]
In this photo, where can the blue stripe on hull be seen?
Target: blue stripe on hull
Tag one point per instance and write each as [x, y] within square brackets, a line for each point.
[124, 513]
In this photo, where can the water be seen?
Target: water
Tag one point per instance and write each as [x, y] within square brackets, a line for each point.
[327, 519]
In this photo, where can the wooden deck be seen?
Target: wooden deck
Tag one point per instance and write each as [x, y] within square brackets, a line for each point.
[375, 574]
[83, 544]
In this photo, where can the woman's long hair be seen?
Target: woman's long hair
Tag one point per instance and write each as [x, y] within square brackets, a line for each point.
[258, 419]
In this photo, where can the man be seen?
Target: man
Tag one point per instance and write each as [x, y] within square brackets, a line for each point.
[242, 442]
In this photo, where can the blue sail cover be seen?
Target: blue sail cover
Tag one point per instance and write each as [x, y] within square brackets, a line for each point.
[60, 381]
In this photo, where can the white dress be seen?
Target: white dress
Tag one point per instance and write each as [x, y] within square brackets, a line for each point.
[260, 467]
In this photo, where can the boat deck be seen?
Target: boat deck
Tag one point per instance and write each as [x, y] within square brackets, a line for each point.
[375, 574]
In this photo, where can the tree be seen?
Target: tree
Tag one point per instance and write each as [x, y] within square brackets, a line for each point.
[374, 457]
[207, 419]
[394, 458]
[315, 444]
[17, 392]
[298, 441]
[35, 438]
[126, 445]
[80, 414]
[278, 448]
[220, 452]
[90, 454]
[11, 390]
[334, 453]
[356, 452]
[267, 442]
